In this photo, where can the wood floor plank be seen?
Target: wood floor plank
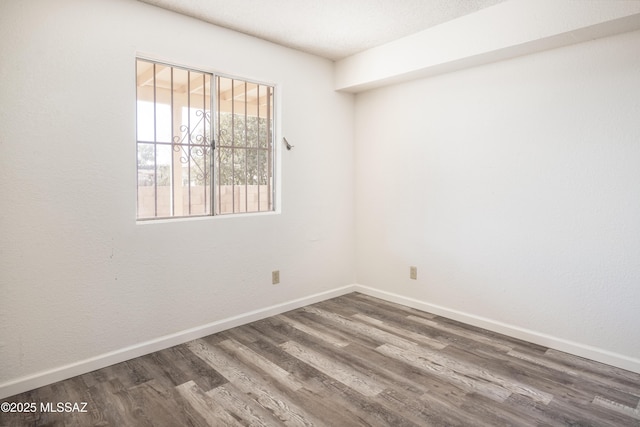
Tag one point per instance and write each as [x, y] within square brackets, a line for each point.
[314, 331]
[400, 332]
[108, 402]
[365, 362]
[163, 406]
[242, 406]
[577, 413]
[460, 334]
[125, 404]
[337, 371]
[180, 365]
[208, 408]
[354, 360]
[358, 328]
[256, 361]
[487, 413]
[618, 407]
[76, 390]
[391, 306]
[607, 375]
[473, 385]
[543, 373]
[423, 411]
[247, 380]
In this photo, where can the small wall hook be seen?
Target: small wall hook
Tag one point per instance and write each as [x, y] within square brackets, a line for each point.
[286, 143]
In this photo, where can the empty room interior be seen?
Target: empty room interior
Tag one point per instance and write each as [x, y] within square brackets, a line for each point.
[393, 213]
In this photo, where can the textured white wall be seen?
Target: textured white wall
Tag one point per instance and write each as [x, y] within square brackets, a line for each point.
[514, 188]
[78, 276]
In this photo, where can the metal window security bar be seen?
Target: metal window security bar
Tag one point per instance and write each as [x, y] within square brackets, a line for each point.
[184, 171]
[244, 149]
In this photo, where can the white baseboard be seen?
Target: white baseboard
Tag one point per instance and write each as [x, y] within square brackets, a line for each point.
[43, 378]
[40, 379]
[578, 349]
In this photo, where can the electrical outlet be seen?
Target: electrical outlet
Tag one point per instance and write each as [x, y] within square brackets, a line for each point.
[413, 272]
[275, 277]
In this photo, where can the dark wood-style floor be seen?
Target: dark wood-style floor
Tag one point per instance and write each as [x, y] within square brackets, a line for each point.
[350, 361]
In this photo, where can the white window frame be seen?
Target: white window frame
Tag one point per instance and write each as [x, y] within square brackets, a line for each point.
[264, 144]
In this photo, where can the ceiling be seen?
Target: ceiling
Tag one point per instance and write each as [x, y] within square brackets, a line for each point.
[333, 29]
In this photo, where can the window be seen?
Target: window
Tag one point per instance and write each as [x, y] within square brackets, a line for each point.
[204, 143]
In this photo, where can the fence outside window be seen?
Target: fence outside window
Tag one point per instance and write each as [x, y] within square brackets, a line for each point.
[204, 143]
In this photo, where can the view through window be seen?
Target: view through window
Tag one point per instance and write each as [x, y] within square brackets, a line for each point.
[204, 143]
